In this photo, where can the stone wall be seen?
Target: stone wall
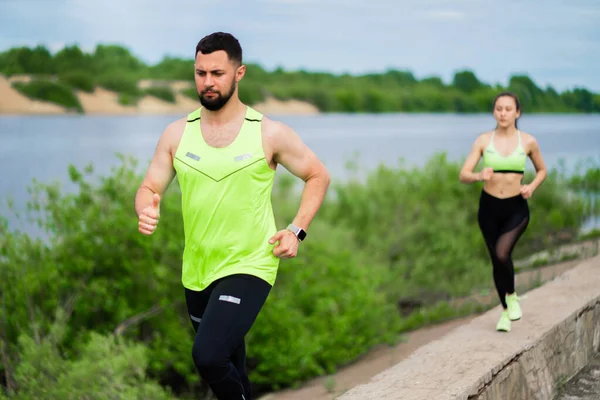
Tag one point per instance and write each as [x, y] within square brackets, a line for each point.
[558, 335]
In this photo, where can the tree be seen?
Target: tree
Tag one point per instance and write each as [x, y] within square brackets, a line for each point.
[466, 81]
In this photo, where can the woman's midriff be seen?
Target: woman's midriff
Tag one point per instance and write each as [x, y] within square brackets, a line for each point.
[504, 185]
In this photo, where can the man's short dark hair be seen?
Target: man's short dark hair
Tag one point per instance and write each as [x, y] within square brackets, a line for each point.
[221, 41]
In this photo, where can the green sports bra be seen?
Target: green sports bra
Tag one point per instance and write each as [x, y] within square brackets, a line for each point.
[513, 163]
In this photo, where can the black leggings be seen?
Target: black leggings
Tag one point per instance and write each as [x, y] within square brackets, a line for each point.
[502, 222]
[221, 315]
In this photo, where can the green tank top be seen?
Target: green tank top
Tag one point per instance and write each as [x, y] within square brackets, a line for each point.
[226, 205]
[514, 162]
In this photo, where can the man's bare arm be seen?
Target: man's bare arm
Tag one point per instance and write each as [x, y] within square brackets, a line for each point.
[160, 173]
[290, 151]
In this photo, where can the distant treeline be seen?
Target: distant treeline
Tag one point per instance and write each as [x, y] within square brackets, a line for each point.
[116, 68]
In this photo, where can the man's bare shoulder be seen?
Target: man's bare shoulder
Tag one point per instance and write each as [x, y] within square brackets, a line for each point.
[279, 138]
[276, 134]
[175, 129]
[274, 130]
[172, 134]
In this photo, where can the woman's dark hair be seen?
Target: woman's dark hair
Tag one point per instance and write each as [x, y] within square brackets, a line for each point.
[511, 95]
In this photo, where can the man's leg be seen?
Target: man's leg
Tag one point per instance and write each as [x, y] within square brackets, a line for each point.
[196, 305]
[238, 359]
[232, 308]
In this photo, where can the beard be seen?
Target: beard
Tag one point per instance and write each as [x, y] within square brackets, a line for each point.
[218, 101]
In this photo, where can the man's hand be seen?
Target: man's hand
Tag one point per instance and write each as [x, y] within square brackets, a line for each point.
[149, 217]
[287, 246]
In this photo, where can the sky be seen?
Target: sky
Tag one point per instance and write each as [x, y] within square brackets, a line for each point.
[555, 42]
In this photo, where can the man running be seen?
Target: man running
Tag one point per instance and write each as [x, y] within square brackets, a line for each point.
[225, 155]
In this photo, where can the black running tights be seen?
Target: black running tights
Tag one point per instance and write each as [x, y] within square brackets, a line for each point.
[221, 315]
[502, 222]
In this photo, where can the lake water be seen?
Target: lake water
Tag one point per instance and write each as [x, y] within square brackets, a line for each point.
[42, 147]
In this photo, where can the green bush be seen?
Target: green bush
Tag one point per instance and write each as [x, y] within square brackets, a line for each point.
[586, 176]
[116, 272]
[120, 83]
[23, 60]
[192, 93]
[250, 93]
[126, 99]
[324, 311]
[105, 367]
[46, 90]
[78, 80]
[173, 69]
[163, 93]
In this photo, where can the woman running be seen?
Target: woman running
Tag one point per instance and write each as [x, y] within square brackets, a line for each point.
[503, 212]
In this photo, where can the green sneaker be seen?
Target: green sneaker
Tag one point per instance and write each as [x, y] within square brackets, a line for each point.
[514, 309]
[504, 323]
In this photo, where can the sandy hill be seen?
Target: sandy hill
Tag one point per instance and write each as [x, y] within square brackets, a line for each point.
[105, 102]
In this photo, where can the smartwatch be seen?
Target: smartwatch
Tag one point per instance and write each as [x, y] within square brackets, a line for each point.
[299, 232]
